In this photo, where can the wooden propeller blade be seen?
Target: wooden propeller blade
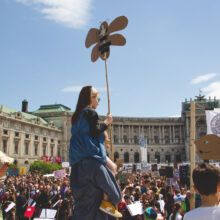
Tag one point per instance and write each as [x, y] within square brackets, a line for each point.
[95, 53]
[92, 37]
[117, 40]
[118, 24]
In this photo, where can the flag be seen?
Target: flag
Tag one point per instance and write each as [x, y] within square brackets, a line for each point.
[143, 142]
[143, 145]
[213, 121]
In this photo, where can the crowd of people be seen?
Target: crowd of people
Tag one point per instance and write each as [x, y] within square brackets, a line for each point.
[159, 199]
[36, 190]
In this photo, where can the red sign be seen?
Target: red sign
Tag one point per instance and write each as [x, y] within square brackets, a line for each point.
[29, 212]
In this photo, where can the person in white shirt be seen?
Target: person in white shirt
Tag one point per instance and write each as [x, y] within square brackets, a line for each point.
[206, 178]
[177, 211]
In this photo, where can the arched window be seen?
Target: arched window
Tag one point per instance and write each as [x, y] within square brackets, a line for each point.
[126, 157]
[157, 156]
[116, 156]
[136, 157]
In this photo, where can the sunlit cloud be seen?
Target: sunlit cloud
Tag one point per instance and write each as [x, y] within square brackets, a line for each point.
[203, 78]
[71, 13]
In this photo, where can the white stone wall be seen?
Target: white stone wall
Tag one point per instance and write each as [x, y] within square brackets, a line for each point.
[24, 132]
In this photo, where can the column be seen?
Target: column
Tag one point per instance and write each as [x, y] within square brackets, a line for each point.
[119, 135]
[122, 127]
[181, 134]
[132, 134]
[174, 134]
[129, 134]
[163, 134]
[170, 134]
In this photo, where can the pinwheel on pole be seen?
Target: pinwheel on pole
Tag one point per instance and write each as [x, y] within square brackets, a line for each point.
[103, 40]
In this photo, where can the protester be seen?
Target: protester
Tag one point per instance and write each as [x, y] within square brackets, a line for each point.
[88, 138]
[206, 178]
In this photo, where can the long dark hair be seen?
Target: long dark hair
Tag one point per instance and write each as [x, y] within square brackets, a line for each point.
[176, 208]
[83, 101]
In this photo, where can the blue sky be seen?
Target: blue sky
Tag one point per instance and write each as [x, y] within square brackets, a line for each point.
[172, 52]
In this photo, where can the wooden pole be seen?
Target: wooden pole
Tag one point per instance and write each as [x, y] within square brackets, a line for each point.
[110, 126]
[192, 152]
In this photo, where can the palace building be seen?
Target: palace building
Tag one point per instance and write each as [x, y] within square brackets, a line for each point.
[46, 132]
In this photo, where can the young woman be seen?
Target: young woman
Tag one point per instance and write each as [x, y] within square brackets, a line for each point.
[88, 137]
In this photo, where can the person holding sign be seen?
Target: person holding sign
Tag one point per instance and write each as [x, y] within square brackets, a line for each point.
[88, 139]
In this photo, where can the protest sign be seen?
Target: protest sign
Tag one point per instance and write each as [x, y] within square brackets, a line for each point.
[138, 166]
[120, 162]
[48, 213]
[23, 169]
[10, 206]
[59, 173]
[29, 212]
[122, 178]
[135, 209]
[65, 164]
[13, 171]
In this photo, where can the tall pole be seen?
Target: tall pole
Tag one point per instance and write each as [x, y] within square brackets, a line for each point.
[110, 126]
[192, 152]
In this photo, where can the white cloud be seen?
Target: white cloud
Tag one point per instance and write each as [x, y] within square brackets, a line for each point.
[78, 89]
[213, 89]
[203, 78]
[71, 13]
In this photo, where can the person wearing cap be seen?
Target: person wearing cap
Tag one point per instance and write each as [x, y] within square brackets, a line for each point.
[88, 141]
[150, 214]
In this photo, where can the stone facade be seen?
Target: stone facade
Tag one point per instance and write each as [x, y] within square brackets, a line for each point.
[167, 138]
[27, 137]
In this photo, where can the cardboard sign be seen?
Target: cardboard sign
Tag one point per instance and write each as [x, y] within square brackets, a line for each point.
[59, 173]
[13, 171]
[120, 162]
[208, 147]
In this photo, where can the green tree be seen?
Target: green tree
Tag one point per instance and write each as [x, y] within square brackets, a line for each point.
[44, 167]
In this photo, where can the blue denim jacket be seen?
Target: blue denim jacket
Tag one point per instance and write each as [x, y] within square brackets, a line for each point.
[82, 145]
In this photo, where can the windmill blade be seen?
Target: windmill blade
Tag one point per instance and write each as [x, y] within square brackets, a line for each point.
[92, 37]
[95, 53]
[118, 24]
[117, 40]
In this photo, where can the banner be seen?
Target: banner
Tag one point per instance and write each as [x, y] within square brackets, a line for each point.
[213, 121]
